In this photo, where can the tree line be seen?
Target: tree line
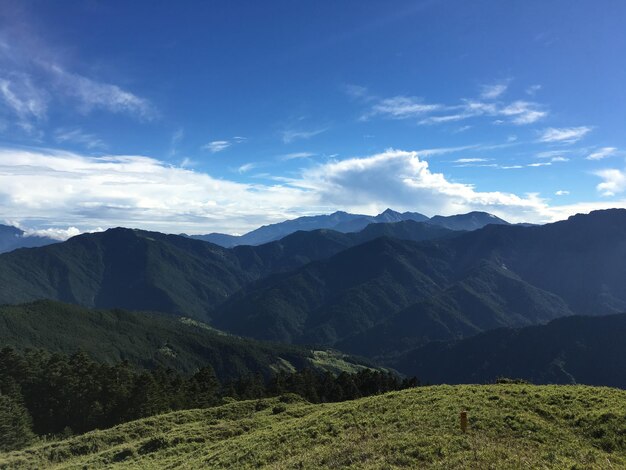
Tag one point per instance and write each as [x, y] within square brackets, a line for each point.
[44, 393]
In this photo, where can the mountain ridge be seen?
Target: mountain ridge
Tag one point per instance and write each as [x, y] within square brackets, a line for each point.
[345, 222]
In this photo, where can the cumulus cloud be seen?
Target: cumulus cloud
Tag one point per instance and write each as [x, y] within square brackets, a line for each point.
[602, 153]
[561, 192]
[55, 233]
[61, 189]
[402, 180]
[614, 182]
[567, 135]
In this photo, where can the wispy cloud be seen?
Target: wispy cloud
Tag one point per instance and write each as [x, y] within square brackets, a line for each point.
[77, 136]
[523, 112]
[561, 192]
[602, 153]
[533, 89]
[247, 167]
[27, 102]
[292, 135]
[33, 82]
[402, 107]
[471, 160]
[296, 155]
[216, 146]
[518, 112]
[93, 94]
[567, 135]
[431, 152]
[493, 91]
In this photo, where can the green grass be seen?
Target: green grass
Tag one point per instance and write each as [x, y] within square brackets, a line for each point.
[511, 426]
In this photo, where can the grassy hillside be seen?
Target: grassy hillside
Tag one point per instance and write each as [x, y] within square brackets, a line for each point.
[510, 426]
[150, 339]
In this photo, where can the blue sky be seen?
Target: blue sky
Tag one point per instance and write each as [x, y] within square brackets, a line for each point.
[221, 116]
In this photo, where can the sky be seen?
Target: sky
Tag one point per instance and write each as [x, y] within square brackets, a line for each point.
[220, 116]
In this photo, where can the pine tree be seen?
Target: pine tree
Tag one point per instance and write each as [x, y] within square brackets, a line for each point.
[15, 424]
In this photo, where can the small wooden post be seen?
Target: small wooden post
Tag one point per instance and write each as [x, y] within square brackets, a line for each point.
[464, 421]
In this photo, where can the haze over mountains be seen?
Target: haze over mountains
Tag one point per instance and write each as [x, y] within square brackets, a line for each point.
[380, 292]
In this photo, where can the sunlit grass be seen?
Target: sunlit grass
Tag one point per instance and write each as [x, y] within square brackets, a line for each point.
[510, 426]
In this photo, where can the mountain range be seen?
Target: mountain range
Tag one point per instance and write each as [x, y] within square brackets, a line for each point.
[588, 350]
[379, 293]
[346, 223]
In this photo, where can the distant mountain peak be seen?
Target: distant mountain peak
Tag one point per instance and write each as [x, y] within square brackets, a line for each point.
[12, 238]
[389, 211]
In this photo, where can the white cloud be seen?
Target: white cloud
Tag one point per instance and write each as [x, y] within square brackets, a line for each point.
[55, 233]
[564, 135]
[471, 160]
[491, 92]
[62, 189]
[402, 180]
[425, 153]
[217, 146]
[559, 159]
[289, 136]
[561, 192]
[402, 107]
[407, 107]
[614, 182]
[523, 112]
[602, 153]
[539, 164]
